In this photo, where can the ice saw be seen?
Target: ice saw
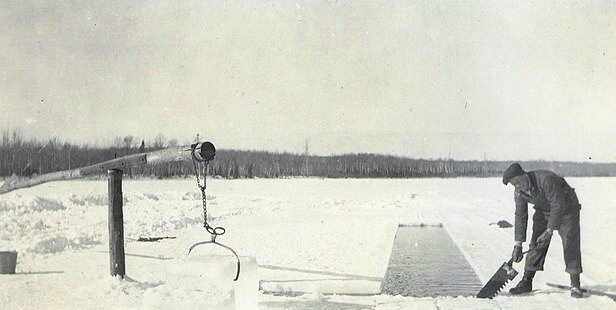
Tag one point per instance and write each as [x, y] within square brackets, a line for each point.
[584, 290]
[504, 274]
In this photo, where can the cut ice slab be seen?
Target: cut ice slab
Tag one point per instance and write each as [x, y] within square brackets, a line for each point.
[322, 286]
[206, 282]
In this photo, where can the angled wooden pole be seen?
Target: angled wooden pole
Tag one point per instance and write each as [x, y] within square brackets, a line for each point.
[202, 151]
[116, 224]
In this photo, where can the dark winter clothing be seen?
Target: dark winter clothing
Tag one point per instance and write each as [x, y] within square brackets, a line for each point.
[557, 208]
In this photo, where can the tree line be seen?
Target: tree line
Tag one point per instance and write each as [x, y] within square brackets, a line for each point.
[22, 157]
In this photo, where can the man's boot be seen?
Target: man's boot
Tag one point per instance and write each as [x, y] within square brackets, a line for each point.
[576, 291]
[525, 285]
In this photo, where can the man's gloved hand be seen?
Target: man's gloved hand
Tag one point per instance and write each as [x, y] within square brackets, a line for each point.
[544, 239]
[516, 255]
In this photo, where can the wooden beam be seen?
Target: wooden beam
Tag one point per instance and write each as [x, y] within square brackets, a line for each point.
[203, 151]
[121, 163]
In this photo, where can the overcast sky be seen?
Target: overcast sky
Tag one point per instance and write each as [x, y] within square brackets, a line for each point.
[429, 79]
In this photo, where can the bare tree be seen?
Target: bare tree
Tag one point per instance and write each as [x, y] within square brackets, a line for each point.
[159, 141]
[117, 142]
[128, 141]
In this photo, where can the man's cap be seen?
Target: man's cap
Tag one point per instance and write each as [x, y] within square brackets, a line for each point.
[514, 170]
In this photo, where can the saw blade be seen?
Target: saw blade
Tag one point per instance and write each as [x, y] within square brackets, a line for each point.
[500, 278]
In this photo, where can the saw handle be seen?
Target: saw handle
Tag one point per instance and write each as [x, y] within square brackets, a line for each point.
[510, 262]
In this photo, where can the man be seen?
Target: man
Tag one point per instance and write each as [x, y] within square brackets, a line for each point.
[556, 208]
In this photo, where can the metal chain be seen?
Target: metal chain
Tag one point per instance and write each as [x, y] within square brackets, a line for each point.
[214, 231]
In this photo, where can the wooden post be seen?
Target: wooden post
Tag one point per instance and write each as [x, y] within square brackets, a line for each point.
[116, 223]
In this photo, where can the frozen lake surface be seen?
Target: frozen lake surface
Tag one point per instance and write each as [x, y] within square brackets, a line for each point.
[319, 240]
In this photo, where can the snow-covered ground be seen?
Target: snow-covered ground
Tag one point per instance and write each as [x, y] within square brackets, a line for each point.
[308, 235]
